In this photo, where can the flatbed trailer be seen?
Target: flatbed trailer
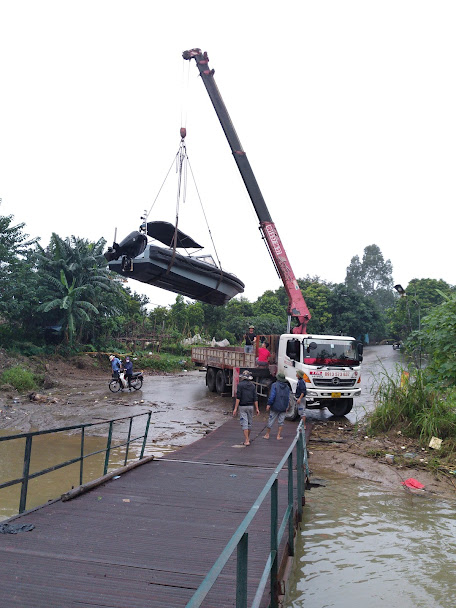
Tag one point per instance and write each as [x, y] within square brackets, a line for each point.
[225, 364]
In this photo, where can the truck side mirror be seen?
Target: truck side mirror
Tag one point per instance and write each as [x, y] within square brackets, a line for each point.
[313, 345]
[360, 351]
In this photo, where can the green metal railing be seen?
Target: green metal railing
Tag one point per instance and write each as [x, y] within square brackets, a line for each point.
[26, 475]
[239, 540]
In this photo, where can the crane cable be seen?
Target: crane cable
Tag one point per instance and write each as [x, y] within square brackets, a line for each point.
[183, 121]
[204, 214]
[181, 161]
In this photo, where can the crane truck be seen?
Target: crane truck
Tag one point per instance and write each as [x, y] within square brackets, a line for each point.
[330, 364]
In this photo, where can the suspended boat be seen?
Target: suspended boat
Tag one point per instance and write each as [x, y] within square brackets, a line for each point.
[193, 276]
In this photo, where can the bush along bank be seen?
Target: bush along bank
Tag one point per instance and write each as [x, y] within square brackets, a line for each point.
[417, 412]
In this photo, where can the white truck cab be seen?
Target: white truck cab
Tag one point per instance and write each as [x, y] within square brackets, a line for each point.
[331, 368]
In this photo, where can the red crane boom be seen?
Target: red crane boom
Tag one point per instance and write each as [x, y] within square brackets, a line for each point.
[297, 307]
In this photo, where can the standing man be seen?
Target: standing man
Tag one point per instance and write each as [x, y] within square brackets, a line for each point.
[246, 400]
[277, 404]
[115, 366]
[249, 338]
[301, 391]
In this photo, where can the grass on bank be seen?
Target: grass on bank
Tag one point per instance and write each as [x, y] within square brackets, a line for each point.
[406, 403]
[20, 378]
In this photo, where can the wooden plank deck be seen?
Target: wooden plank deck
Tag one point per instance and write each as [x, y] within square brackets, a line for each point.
[149, 538]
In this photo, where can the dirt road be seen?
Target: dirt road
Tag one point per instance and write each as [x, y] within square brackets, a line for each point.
[182, 408]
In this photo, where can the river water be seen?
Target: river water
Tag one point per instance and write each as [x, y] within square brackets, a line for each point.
[362, 546]
[49, 450]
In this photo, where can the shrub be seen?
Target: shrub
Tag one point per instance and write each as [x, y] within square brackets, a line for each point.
[27, 349]
[22, 379]
[162, 362]
[420, 410]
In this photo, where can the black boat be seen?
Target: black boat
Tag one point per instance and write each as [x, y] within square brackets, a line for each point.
[194, 276]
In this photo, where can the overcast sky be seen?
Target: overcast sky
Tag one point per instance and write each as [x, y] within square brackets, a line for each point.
[346, 110]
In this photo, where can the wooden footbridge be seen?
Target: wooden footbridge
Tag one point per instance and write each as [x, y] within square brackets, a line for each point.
[149, 537]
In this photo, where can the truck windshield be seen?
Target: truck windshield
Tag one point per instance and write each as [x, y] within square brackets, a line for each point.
[327, 352]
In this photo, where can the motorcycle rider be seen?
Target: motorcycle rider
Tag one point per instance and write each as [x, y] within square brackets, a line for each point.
[128, 369]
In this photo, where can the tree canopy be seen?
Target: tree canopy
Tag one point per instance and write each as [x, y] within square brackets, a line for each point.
[372, 276]
[64, 293]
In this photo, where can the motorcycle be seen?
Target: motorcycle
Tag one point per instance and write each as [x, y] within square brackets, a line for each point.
[118, 384]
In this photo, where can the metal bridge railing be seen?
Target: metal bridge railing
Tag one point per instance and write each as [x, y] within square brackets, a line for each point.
[239, 540]
[26, 475]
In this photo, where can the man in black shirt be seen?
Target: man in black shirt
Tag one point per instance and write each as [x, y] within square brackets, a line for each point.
[249, 338]
[246, 400]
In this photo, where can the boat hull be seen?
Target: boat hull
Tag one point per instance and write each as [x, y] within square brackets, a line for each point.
[180, 274]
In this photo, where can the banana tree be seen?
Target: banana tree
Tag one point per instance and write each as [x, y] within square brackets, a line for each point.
[71, 302]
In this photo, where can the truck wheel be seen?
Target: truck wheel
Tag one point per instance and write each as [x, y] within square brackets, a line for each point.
[210, 379]
[220, 382]
[292, 411]
[340, 407]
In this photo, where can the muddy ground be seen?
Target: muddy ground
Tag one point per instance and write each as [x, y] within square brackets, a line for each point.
[183, 411]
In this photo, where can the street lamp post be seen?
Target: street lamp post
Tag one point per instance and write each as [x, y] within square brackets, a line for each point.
[401, 291]
[417, 304]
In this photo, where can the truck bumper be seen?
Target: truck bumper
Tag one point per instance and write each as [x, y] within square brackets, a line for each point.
[319, 394]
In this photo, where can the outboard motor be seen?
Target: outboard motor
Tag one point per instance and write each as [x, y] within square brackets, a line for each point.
[132, 245]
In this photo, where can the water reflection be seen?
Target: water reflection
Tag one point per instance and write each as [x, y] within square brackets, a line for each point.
[360, 546]
[50, 450]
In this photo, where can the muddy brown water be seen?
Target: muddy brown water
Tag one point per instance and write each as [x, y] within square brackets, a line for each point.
[363, 546]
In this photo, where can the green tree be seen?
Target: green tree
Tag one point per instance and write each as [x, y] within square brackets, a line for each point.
[317, 296]
[195, 317]
[353, 314]
[159, 317]
[83, 266]
[235, 316]
[15, 248]
[423, 295]
[214, 320]
[269, 304]
[71, 304]
[178, 314]
[439, 338]
[372, 277]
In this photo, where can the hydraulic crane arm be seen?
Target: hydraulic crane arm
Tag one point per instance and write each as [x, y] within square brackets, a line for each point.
[297, 306]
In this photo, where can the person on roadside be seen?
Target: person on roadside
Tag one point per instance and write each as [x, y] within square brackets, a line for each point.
[249, 338]
[277, 404]
[263, 354]
[246, 400]
[128, 371]
[300, 395]
[116, 365]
